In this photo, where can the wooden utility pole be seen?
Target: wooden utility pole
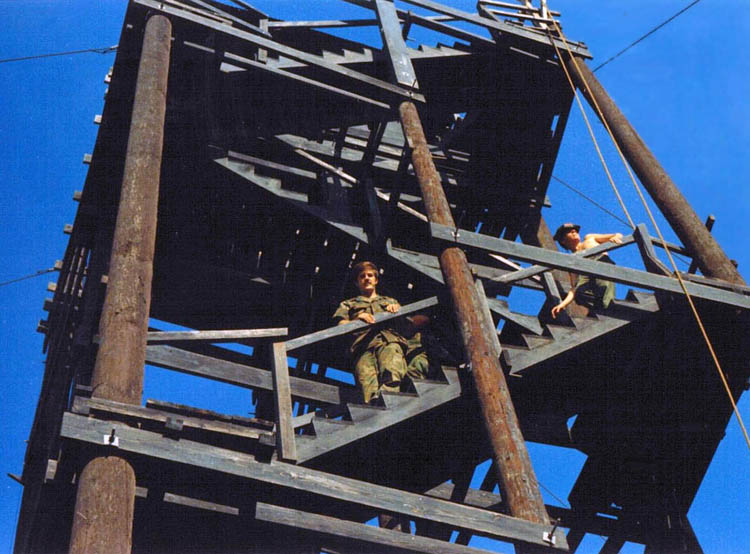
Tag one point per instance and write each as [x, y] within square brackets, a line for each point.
[692, 232]
[103, 516]
[516, 476]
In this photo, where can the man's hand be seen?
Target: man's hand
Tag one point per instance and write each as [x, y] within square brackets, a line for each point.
[366, 317]
[393, 308]
[616, 238]
[557, 309]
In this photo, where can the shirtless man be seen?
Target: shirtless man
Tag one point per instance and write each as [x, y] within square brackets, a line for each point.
[592, 292]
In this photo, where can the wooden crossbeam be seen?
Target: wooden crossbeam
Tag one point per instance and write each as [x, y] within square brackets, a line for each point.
[591, 523]
[646, 248]
[273, 46]
[322, 24]
[387, 540]
[230, 17]
[393, 42]
[341, 330]
[308, 481]
[218, 336]
[578, 264]
[243, 375]
[84, 406]
[242, 61]
[487, 23]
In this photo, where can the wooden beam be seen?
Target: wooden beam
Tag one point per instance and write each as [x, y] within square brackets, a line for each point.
[340, 330]
[243, 375]
[387, 540]
[305, 480]
[85, 406]
[500, 27]
[289, 52]
[578, 264]
[381, 106]
[285, 445]
[591, 523]
[648, 254]
[323, 24]
[528, 272]
[398, 54]
[224, 335]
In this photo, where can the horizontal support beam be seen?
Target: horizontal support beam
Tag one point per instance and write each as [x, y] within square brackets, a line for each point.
[387, 540]
[292, 53]
[243, 375]
[323, 24]
[527, 272]
[307, 481]
[241, 61]
[354, 326]
[500, 27]
[577, 264]
[85, 406]
[568, 518]
[224, 335]
[434, 24]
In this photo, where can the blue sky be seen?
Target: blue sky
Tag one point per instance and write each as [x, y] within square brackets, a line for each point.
[684, 89]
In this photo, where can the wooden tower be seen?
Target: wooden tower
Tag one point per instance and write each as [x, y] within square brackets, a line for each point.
[243, 164]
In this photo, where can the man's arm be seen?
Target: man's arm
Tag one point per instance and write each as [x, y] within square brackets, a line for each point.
[564, 304]
[602, 238]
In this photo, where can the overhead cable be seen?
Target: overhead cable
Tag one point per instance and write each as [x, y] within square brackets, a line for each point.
[103, 50]
[36, 274]
[651, 32]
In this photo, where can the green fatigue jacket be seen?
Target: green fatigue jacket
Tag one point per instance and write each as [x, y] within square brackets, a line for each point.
[368, 338]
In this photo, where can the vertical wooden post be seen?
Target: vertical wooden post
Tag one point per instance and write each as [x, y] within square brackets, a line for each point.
[285, 445]
[516, 476]
[706, 251]
[103, 516]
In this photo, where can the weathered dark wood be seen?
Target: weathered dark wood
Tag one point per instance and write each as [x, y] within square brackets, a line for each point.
[491, 24]
[243, 375]
[103, 515]
[393, 42]
[706, 251]
[592, 523]
[273, 46]
[578, 264]
[285, 445]
[516, 476]
[323, 24]
[387, 540]
[646, 248]
[224, 335]
[527, 272]
[87, 406]
[203, 414]
[340, 330]
[401, 407]
[307, 480]
[369, 102]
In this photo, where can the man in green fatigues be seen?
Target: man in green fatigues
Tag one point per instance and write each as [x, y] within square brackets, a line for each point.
[595, 293]
[379, 354]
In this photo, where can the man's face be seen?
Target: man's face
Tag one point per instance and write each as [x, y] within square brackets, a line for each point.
[571, 239]
[367, 280]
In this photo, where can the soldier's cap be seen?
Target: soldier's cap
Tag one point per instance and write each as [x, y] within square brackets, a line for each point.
[564, 229]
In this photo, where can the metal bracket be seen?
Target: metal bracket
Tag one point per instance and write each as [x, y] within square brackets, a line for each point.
[111, 439]
[550, 537]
